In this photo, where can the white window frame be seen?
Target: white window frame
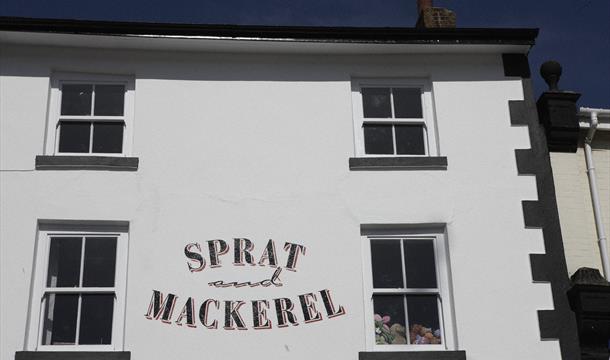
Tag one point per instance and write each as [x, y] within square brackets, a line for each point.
[427, 120]
[446, 314]
[39, 288]
[53, 129]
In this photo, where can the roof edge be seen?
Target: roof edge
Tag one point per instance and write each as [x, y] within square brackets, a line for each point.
[507, 36]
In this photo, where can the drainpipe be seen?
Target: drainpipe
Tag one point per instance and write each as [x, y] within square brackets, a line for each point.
[597, 211]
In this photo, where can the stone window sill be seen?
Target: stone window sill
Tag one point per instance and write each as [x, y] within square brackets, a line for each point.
[412, 355]
[59, 162]
[399, 163]
[73, 355]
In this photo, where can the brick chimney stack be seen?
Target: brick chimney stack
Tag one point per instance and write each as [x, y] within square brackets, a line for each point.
[434, 17]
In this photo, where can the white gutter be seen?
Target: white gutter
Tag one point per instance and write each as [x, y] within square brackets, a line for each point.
[597, 211]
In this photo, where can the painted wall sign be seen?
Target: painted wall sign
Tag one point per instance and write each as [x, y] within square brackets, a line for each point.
[241, 314]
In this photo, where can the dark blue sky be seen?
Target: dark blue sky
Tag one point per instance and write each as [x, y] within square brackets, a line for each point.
[574, 32]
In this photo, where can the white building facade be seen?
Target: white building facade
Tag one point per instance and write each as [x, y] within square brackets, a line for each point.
[298, 193]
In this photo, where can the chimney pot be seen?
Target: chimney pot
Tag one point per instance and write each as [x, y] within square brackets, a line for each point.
[424, 4]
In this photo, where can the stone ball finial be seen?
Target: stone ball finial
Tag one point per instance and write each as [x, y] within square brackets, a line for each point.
[551, 72]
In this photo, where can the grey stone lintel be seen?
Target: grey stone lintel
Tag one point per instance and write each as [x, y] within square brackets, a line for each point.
[399, 163]
[85, 162]
[412, 355]
[73, 355]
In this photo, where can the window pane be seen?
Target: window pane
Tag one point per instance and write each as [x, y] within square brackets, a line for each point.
[386, 263]
[424, 322]
[96, 319]
[407, 103]
[64, 262]
[108, 137]
[100, 259]
[76, 99]
[389, 319]
[74, 136]
[60, 319]
[376, 103]
[109, 100]
[420, 264]
[410, 140]
[378, 139]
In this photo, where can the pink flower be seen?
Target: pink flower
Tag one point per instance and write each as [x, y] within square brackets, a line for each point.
[377, 317]
[386, 319]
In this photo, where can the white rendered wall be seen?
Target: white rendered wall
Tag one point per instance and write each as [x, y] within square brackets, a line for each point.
[257, 146]
[574, 202]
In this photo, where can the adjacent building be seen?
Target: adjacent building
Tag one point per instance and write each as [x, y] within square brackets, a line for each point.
[574, 196]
